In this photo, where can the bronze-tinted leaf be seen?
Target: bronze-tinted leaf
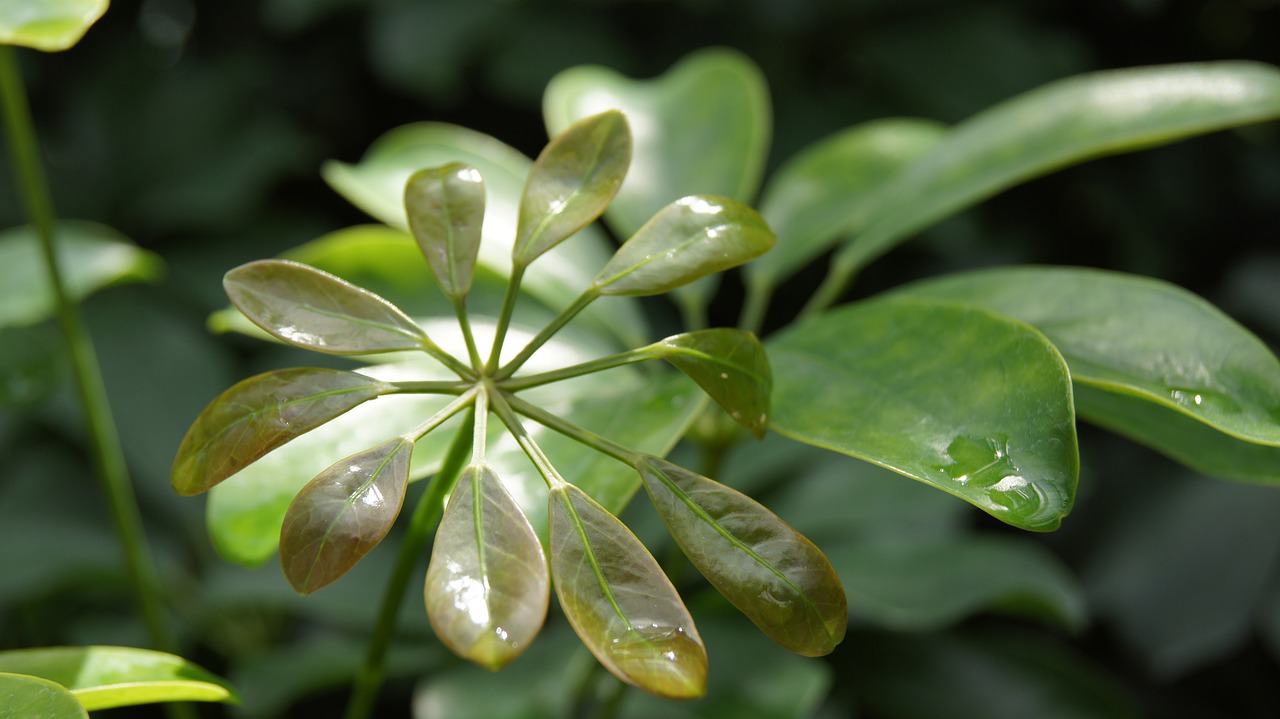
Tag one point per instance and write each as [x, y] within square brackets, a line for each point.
[731, 366]
[445, 207]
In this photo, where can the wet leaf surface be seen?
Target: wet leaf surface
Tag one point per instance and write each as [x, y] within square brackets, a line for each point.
[731, 366]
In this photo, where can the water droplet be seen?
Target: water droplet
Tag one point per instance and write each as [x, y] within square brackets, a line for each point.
[985, 465]
[1203, 399]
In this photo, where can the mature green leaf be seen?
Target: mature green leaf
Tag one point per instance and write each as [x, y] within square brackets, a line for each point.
[731, 366]
[106, 677]
[261, 413]
[1147, 340]
[91, 257]
[343, 513]
[1060, 124]
[313, 309]
[445, 208]
[955, 396]
[571, 183]
[23, 697]
[487, 584]
[691, 238]
[619, 601]
[771, 572]
[48, 25]
[828, 190]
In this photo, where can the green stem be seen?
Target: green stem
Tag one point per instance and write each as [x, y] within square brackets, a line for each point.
[502, 408]
[598, 365]
[838, 279]
[473, 353]
[433, 387]
[504, 317]
[459, 368]
[547, 333]
[603, 445]
[758, 297]
[368, 681]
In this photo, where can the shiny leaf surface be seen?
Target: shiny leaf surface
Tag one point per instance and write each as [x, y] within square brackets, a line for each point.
[619, 602]
[313, 309]
[343, 513]
[767, 569]
[731, 366]
[691, 238]
[260, 414]
[1060, 124]
[487, 584]
[23, 696]
[445, 209]
[48, 25]
[968, 401]
[105, 677]
[571, 183]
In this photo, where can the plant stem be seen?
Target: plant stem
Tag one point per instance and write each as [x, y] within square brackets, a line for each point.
[504, 317]
[433, 387]
[368, 681]
[104, 441]
[603, 445]
[547, 333]
[459, 368]
[531, 448]
[838, 278]
[460, 309]
[756, 304]
[598, 365]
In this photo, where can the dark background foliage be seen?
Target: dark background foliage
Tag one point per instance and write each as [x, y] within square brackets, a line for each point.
[197, 129]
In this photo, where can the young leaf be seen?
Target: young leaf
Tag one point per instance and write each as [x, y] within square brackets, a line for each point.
[445, 207]
[487, 584]
[958, 397]
[313, 309]
[731, 366]
[771, 572]
[23, 696]
[619, 601]
[691, 238]
[343, 513]
[572, 182]
[261, 413]
[48, 25]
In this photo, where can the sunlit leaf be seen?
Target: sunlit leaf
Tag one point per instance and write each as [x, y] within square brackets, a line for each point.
[23, 697]
[955, 396]
[571, 183]
[487, 584]
[619, 601]
[731, 366]
[48, 25]
[261, 413]
[691, 238]
[91, 257]
[313, 309]
[105, 677]
[445, 208]
[767, 569]
[343, 513]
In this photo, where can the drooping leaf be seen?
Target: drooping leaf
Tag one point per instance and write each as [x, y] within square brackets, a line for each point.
[313, 309]
[445, 209]
[105, 677]
[261, 413]
[731, 366]
[91, 257]
[1060, 124]
[691, 238]
[343, 513]
[48, 25]
[619, 602]
[487, 584]
[955, 396]
[571, 183]
[23, 696]
[767, 569]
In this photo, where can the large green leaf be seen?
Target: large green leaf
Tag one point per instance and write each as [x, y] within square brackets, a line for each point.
[731, 366]
[445, 210]
[106, 677]
[771, 572]
[24, 697]
[1150, 341]
[48, 25]
[487, 585]
[619, 602]
[1060, 124]
[958, 397]
[91, 257]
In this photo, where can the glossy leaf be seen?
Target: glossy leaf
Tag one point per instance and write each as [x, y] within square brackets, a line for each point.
[571, 183]
[487, 584]
[826, 192]
[91, 257]
[48, 25]
[313, 309]
[105, 677]
[691, 238]
[619, 602]
[445, 209]
[731, 366]
[1060, 124]
[968, 401]
[260, 414]
[343, 513]
[23, 696]
[767, 569]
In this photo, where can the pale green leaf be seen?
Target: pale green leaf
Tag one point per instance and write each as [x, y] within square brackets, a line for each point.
[731, 366]
[48, 25]
[24, 697]
[445, 209]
